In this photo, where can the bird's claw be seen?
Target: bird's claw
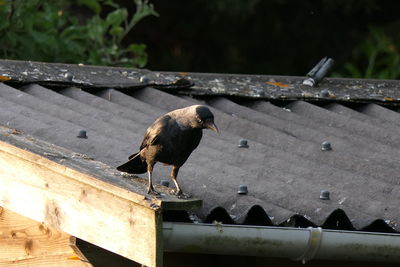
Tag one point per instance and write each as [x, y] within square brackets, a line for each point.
[180, 194]
[184, 196]
[153, 192]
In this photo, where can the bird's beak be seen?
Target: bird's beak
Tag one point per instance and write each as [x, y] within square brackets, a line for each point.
[211, 125]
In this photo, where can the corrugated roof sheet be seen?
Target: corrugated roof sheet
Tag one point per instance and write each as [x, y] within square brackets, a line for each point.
[284, 166]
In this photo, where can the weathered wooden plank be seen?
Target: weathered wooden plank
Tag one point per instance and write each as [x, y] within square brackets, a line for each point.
[272, 87]
[66, 75]
[95, 173]
[24, 242]
[77, 203]
[43, 261]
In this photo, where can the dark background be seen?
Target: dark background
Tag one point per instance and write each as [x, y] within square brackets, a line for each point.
[265, 37]
[275, 37]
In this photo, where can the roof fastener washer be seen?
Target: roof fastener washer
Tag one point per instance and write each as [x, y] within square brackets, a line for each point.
[144, 79]
[326, 146]
[69, 76]
[82, 134]
[243, 143]
[325, 195]
[324, 93]
[242, 190]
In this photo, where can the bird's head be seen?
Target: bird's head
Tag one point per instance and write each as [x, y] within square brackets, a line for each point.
[205, 118]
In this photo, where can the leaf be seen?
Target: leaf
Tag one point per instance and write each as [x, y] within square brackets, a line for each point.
[143, 9]
[96, 29]
[91, 4]
[139, 53]
[116, 17]
[117, 31]
[52, 31]
[111, 3]
[137, 48]
[73, 32]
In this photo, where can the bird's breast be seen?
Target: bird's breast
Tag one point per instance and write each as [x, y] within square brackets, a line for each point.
[177, 149]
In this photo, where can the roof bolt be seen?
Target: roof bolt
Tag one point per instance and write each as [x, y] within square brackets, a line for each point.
[326, 146]
[324, 93]
[243, 143]
[82, 134]
[242, 190]
[144, 79]
[164, 183]
[325, 195]
[68, 76]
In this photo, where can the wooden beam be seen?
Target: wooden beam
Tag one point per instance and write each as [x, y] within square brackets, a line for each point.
[271, 87]
[84, 169]
[24, 242]
[85, 76]
[67, 194]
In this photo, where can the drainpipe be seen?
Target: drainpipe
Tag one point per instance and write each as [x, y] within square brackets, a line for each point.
[300, 244]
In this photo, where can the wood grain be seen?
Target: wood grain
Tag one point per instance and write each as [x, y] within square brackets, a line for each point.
[88, 171]
[24, 242]
[79, 204]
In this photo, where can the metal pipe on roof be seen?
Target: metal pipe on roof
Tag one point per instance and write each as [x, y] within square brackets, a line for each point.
[301, 244]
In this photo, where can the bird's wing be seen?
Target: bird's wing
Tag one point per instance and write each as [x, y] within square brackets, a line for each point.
[153, 133]
[134, 155]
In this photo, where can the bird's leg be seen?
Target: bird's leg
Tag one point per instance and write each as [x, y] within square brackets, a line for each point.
[174, 174]
[151, 189]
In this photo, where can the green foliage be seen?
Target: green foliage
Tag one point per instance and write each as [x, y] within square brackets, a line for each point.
[377, 57]
[55, 31]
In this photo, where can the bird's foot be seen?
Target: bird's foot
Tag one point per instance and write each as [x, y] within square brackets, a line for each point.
[152, 191]
[184, 196]
[180, 194]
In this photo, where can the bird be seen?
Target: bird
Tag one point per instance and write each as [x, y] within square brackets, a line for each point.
[170, 140]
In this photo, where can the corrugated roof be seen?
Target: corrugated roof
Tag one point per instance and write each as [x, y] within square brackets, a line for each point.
[284, 166]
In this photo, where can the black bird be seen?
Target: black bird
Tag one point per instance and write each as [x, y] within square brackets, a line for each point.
[170, 140]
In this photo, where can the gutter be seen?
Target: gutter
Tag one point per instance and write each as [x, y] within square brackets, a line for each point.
[299, 244]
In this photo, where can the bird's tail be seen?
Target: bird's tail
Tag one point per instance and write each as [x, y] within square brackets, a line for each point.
[134, 165]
